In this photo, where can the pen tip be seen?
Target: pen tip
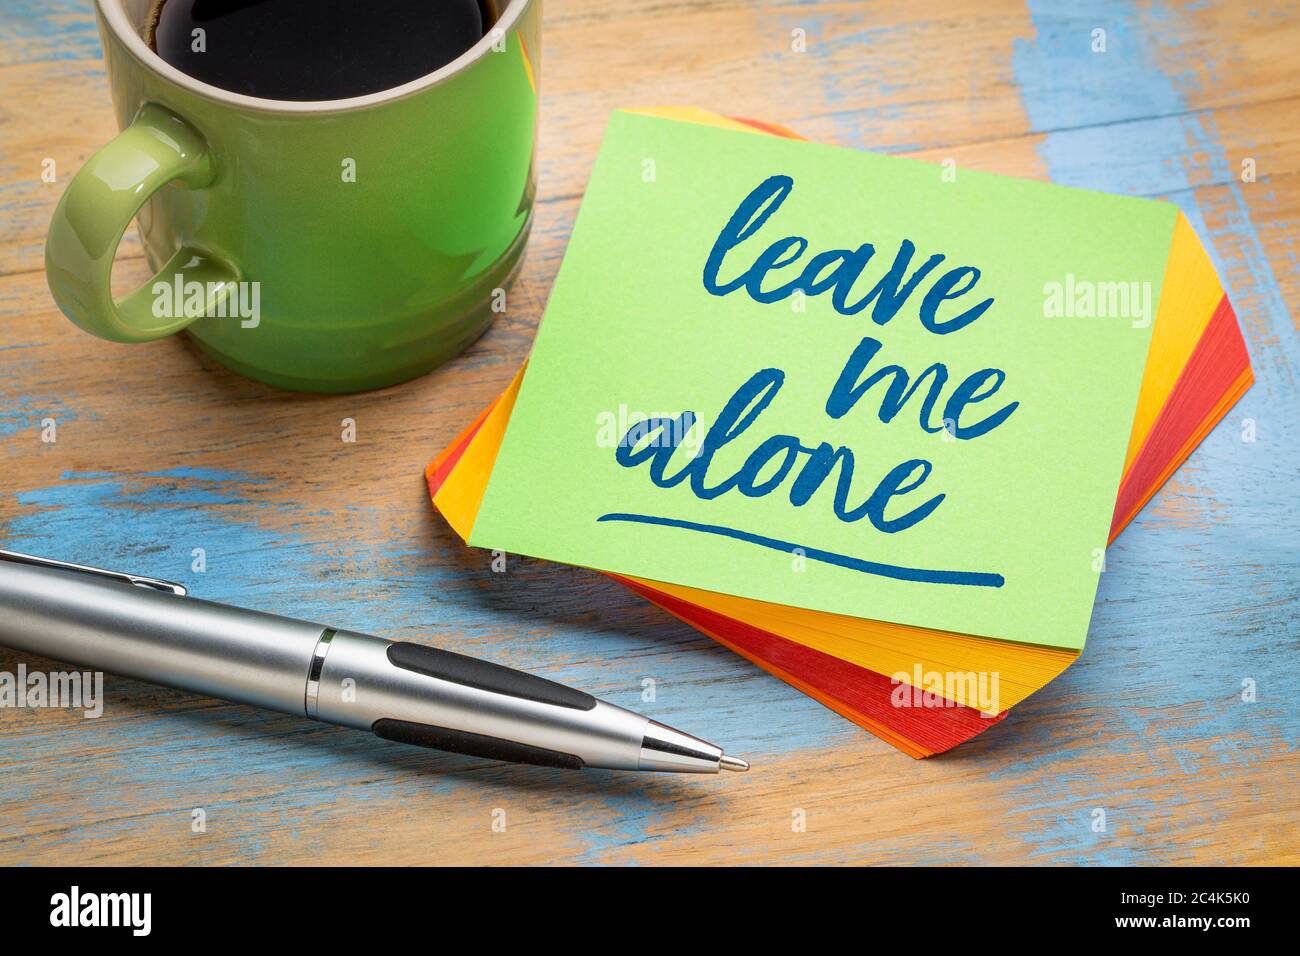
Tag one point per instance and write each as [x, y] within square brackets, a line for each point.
[726, 762]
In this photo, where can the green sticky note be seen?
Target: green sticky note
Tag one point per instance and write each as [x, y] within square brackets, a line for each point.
[834, 380]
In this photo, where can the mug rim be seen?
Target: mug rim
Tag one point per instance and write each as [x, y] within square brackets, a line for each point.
[114, 14]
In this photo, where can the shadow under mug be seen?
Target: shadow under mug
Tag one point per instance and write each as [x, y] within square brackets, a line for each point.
[320, 246]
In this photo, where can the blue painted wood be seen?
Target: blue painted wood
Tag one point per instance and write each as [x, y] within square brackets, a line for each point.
[1203, 592]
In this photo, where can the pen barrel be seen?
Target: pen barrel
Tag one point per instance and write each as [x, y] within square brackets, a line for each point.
[426, 696]
[411, 693]
[157, 636]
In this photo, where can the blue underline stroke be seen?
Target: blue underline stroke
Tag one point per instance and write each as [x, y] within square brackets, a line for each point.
[982, 579]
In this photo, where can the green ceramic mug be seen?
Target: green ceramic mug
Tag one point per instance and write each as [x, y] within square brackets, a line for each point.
[322, 246]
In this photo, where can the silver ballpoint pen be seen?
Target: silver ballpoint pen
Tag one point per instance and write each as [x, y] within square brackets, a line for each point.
[152, 630]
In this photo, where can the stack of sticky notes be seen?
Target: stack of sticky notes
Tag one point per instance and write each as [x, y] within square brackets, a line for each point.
[867, 421]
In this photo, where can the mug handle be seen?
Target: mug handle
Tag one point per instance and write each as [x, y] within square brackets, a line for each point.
[104, 196]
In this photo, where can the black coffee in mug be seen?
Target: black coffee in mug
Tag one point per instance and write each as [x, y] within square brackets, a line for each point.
[315, 49]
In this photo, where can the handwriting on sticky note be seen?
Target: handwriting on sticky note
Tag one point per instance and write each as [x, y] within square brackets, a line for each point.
[860, 400]
[801, 466]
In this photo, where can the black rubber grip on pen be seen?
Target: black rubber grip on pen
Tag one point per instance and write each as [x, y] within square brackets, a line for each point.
[472, 745]
[484, 675]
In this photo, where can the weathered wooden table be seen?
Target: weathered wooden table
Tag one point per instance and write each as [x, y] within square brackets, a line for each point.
[158, 453]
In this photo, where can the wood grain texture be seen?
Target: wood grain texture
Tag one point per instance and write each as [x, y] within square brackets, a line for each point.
[159, 452]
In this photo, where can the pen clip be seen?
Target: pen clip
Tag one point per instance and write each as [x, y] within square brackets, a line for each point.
[138, 580]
